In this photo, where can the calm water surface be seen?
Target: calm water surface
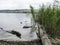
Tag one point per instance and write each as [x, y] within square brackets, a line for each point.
[11, 21]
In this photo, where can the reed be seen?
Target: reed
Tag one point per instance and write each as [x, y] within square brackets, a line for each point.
[49, 17]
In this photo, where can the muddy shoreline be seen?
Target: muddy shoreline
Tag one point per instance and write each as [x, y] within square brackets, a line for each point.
[34, 42]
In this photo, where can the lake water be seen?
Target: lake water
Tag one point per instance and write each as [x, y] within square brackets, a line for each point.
[12, 21]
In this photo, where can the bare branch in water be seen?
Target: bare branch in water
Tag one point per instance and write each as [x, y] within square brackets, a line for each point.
[13, 32]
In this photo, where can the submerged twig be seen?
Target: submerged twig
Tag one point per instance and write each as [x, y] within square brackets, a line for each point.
[13, 32]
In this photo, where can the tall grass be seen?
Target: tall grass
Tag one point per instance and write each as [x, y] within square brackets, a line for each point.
[49, 17]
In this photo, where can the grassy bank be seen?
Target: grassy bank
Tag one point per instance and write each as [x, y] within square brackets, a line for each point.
[49, 18]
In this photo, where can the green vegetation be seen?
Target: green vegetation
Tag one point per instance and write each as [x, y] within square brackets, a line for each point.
[49, 17]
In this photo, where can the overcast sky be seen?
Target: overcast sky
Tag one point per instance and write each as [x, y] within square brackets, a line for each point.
[21, 4]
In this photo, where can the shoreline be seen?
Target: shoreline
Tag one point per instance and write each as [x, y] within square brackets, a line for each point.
[34, 42]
